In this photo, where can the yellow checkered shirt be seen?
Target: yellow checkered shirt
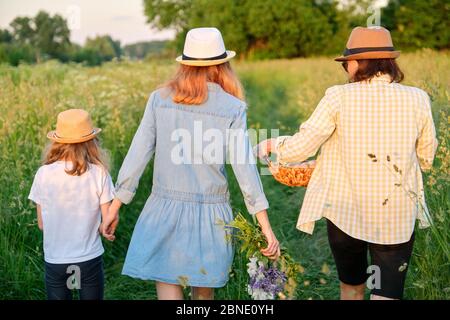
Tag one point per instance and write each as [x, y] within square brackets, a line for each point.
[375, 138]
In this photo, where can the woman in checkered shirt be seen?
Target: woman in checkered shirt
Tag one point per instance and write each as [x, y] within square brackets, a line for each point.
[375, 136]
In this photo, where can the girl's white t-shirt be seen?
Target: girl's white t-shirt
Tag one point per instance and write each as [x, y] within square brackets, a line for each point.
[71, 212]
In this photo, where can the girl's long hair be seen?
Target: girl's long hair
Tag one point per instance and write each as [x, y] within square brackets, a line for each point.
[80, 154]
[189, 83]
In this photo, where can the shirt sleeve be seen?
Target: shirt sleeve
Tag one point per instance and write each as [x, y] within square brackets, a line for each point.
[244, 165]
[35, 192]
[312, 133]
[427, 143]
[107, 192]
[141, 151]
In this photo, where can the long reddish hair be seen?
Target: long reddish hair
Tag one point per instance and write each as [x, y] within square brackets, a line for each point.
[80, 154]
[189, 83]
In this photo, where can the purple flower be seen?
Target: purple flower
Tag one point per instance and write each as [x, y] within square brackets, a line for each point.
[265, 282]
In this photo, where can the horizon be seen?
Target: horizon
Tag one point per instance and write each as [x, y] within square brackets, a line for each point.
[123, 21]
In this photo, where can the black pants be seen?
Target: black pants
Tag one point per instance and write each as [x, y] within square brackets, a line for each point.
[350, 256]
[89, 273]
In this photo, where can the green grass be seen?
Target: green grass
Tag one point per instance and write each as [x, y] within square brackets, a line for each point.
[280, 94]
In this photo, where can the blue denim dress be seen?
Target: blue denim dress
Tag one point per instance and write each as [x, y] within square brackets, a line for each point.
[179, 237]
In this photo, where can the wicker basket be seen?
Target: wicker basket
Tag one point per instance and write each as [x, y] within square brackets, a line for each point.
[293, 174]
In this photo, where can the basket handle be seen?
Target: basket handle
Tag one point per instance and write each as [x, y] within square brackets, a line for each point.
[265, 158]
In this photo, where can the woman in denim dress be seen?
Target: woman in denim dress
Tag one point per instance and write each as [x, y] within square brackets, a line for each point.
[190, 125]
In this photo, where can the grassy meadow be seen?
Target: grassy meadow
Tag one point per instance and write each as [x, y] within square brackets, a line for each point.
[280, 94]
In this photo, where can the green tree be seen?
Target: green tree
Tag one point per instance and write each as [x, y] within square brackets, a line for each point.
[14, 54]
[97, 50]
[258, 28]
[52, 35]
[289, 28]
[104, 46]
[168, 13]
[45, 36]
[228, 16]
[22, 30]
[141, 50]
[5, 36]
[417, 23]
[87, 56]
[48, 35]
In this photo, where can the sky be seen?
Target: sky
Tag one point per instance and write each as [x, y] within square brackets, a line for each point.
[124, 20]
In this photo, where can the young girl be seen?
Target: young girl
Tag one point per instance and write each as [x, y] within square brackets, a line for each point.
[375, 137]
[179, 239]
[72, 191]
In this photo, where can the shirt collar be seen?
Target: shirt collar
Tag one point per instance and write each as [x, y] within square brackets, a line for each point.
[382, 77]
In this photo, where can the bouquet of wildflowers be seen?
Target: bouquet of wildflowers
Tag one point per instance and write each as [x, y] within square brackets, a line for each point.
[269, 279]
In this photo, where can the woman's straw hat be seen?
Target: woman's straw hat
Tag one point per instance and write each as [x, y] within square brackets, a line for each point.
[369, 43]
[204, 47]
[73, 126]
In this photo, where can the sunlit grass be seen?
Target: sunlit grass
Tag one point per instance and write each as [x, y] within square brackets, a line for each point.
[280, 94]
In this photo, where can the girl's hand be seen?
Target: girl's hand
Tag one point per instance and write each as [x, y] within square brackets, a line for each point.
[111, 220]
[109, 225]
[273, 246]
[109, 237]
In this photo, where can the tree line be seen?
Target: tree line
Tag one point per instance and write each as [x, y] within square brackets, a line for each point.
[46, 37]
[299, 28]
[256, 29]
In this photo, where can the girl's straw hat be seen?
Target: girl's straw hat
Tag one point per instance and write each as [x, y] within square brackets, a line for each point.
[73, 126]
[369, 43]
[204, 47]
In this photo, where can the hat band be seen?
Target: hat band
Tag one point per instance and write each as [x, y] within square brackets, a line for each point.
[348, 51]
[59, 137]
[221, 56]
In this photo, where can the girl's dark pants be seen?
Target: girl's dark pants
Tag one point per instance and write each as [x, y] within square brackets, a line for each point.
[90, 275]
